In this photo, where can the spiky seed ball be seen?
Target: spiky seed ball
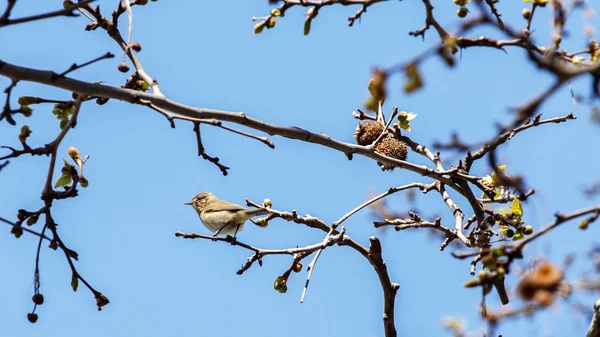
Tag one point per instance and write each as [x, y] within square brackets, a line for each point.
[547, 276]
[541, 284]
[392, 147]
[527, 289]
[367, 132]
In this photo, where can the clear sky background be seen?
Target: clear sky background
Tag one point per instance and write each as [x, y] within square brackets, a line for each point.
[141, 171]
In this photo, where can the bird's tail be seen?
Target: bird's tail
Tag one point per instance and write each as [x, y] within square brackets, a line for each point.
[251, 213]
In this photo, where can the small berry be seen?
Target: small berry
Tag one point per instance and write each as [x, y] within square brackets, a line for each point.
[123, 68]
[84, 182]
[510, 233]
[101, 100]
[298, 267]
[38, 299]
[136, 46]
[32, 317]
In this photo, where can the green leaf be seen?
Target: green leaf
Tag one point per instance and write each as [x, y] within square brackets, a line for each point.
[63, 123]
[74, 282]
[64, 180]
[516, 209]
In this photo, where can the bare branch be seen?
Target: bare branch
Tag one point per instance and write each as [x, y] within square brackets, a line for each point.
[68, 11]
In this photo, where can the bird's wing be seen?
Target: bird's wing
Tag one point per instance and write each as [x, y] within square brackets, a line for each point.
[224, 207]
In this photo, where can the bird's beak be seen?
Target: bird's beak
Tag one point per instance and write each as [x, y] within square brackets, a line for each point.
[187, 203]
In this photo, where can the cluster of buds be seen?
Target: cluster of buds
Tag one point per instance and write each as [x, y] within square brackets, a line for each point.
[69, 172]
[63, 112]
[268, 22]
[264, 222]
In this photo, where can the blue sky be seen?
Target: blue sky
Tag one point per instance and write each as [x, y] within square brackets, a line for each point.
[141, 171]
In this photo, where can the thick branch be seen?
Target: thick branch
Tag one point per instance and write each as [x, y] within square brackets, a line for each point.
[389, 288]
[133, 96]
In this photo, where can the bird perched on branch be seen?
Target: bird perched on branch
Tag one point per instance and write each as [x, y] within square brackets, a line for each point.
[222, 217]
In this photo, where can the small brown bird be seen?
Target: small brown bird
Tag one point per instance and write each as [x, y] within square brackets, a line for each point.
[222, 217]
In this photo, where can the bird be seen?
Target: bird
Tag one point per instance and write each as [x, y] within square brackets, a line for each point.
[222, 217]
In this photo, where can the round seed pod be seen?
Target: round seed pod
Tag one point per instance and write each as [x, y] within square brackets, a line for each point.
[367, 132]
[392, 147]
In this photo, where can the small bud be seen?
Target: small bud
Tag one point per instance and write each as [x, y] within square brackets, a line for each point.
[557, 38]
[32, 220]
[26, 100]
[526, 12]
[136, 46]
[258, 28]
[271, 22]
[283, 290]
[280, 282]
[38, 299]
[143, 85]
[123, 68]
[66, 4]
[584, 224]
[141, 2]
[53, 245]
[528, 230]
[26, 111]
[17, 231]
[25, 132]
[101, 100]
[403, 116]
[462, 12]
[472, 283]
[32, 317]
[102, 300]
[275, 12]
[267, 203]
[262, 222]
[307, 24]
[22, 214]
[297, 267]
[73, 153]
[84, 182]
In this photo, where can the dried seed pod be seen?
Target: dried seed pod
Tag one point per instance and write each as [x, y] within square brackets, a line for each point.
[391, 147]
[367, 132]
